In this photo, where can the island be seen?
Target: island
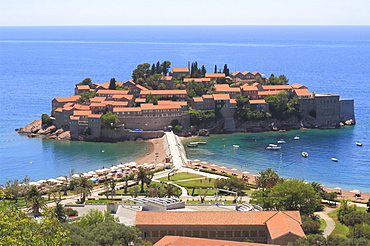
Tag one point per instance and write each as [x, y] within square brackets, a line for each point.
[189, 101]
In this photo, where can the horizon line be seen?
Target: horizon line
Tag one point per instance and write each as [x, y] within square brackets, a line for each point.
[138, 25]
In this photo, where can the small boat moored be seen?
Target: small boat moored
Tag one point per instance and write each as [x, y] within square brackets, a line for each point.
[281, 141]
[304, 154]
[192, 144]
[202, 142]
[359, 144]
[236, 146]
[273, 147]
[296, 138]
[334, 159]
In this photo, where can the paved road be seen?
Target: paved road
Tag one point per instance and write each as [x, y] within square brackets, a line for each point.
[176, 150]
[330, 224]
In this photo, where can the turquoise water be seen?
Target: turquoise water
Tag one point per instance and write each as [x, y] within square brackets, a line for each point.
[38, 64]
[321, 145]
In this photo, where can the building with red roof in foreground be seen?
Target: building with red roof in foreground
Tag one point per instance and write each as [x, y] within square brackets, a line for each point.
[274, 227]
[194, 241]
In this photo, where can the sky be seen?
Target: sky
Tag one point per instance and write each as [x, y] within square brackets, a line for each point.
[183, 12]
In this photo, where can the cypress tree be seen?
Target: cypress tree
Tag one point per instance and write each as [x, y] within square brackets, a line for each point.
[215, 69]
[112, 84]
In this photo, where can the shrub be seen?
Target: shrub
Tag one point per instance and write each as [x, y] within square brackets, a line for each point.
[71, 212]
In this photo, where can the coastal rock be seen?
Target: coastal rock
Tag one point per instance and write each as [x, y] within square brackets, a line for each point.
[48, 130]
[64, 136]
[58, 132]
[33, 127]
[349, 122]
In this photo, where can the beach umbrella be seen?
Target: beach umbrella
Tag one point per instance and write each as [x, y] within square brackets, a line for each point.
[196, 160]
[87, 175]
[60, 178]
[127, 168]
[135, 169]
[337, 188]
[106, 170]
[99, 171]
[133, 163]
[119, 172]
[121, 165]
[95, 175]
[93, 179]
[34, 183]
[355, 191]
[160, 165]
[213, 165]
[223, 167]
[139, 165]
[75, 175]
[245, 172]
[41, 181]
[234, 169]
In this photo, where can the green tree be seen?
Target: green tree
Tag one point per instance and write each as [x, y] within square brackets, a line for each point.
[345, 209]
[141, 71]
[112, 84]
[198, 117]
[310, 225]
[144, 176]
[109, 119]
[267, 178]
[360, 231]
[165, 66]
[231, 184]
[84, 187]
[85, 96]
[46, 120]
[59, 210]
[18, 228]
[241, 101]
[128, 177]
[95, 217]
[152, 99]
[356, 217]
[291, 194]
[281, 106]
[35, 204]
[88, 82]
[172, 190]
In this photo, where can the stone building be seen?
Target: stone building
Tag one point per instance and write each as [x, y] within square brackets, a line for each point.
[275, 227]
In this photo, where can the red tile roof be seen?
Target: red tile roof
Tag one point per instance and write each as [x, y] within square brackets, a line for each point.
[246, 72]
[166, 78]
[226, 88]
[180, 70]
[207, 96]
[127, 109]
[98, 104]
[232, 100]
[167, 102]
[68, 99]
[81, 113]
[221, 96]
[298, 86]
[83, 87]
[235, 73]
[262, 101]
[96, 116]
[265, 93]
[249, 88]
[215, 75]
[255, 73]
[97, 99]
[302, 92]
[112, 92]
[140, 100]
[119, 103]
[163, 92]
[283, 223]
[198, 99]
[72, 117]
[276, 87]
[141, 87]
[186, 80]
[193, 241]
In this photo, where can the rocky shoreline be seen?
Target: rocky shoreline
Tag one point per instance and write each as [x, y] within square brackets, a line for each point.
[37, 129]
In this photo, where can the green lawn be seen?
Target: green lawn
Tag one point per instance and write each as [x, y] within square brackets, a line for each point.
[322, 224]
[340, 229]
[206, 182]
[20, 203]
[181, 176]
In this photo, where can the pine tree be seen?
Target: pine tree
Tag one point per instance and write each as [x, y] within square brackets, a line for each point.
[112, 84]
[215, 69]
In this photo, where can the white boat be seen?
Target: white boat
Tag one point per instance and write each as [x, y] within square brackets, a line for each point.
[273, 145]
[281, 141]
[236, 146]
[270, 147]
[334, 159]
[359, 144]
[304, 154]
[296, 138]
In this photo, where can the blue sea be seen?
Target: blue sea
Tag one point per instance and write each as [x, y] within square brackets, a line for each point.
[38, 64]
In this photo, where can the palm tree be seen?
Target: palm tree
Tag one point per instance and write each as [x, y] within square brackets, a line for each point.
[172, 190]
[35, 204]
[144, 176]
[84, 187]
[267, 178]
[128, 177]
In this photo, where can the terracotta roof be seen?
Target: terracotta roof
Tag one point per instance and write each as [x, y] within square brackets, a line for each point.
[119, 103]
[163, 92]
[140, 100]
[298, 86]
[226, 88]
[59, 110]
[276, 87]
[150, 106]
[81, 107]
[232, 100]
[235, 73]
[261, 101]
[256, 73]
[106, 85]
[83, 87]
[265, 93]
[127, 109]
[221, 96]
[207, 96]
[186, 80]
[285, 222]
[198, 99]
[204, 217]
[249, 88]
[96, 116]
[68, 99]
[98, 104]
[180, 70]
[246, 72]
[141, 87]
[302, 92]
[166, 78]
[167, 102]
[81, 113]
[72, 117]
[97, 99]
[193, 241]
[215, 75]
[112, 92]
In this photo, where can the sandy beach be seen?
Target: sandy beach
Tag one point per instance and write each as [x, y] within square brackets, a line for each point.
[157, 147]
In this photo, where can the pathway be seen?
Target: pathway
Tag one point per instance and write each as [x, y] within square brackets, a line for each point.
[330, 224]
